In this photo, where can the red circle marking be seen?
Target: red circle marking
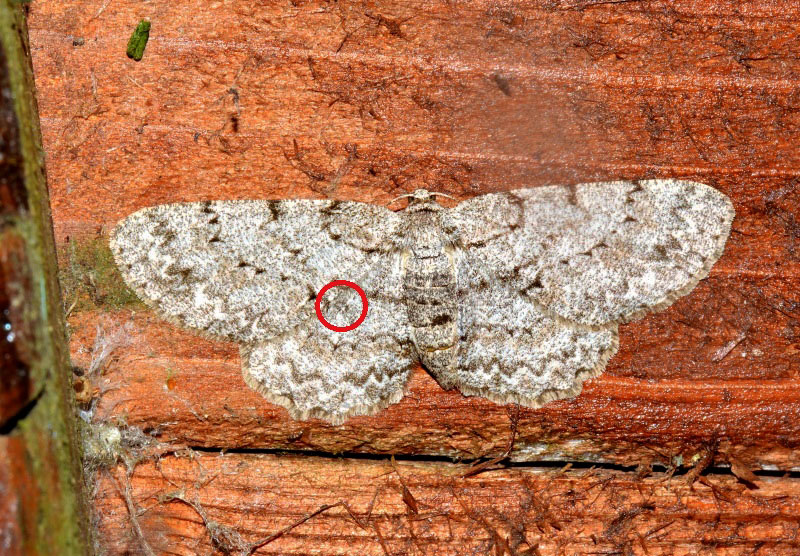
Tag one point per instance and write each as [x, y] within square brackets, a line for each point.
[347, 284]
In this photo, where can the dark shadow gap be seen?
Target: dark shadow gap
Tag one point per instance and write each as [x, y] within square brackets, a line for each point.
[543, 465]
[9, 426]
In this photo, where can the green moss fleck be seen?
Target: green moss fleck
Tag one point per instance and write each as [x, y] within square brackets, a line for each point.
[138, 40]
[90, 278]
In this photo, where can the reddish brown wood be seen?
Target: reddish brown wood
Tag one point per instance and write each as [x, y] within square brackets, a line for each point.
[430, 105]
[189, 390]
[19, 502]
[17, 387]
[500, 512]
[368, 100]
[42, 509]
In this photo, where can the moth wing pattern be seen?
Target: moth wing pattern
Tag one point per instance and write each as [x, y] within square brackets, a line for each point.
[545, 275]
[250, 270]
[316, 372]
[599, 253]
[513, 352]
[543, 278]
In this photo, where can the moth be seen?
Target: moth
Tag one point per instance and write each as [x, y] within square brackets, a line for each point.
[513, 296]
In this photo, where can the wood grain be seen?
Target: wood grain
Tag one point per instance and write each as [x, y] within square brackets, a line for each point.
[426, 508]
[368, 100]
[189, 391]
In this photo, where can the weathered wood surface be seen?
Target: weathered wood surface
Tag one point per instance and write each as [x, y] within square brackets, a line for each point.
[368, 100]
[515, 512]
[41, 506]
[465, 99]
[186, 391]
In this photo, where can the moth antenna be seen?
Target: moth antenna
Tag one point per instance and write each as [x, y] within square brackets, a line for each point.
[434, 193]
[400, 197]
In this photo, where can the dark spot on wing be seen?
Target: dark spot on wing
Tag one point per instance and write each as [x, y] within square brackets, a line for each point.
[589, 251]
[332, 208]
[572, 196]
[638, 187]
[442, 319]
[167, 237]
[273, 208]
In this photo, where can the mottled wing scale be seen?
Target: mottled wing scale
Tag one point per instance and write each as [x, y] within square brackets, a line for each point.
[596, 253]
[652, 243]
[575, 261]
[543, 278]
[511, 351]
[249, 271]
[316, 372]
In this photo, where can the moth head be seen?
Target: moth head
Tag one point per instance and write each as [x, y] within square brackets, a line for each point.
[422, 199]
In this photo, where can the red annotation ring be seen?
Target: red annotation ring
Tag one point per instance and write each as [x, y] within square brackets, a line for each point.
[347, 284]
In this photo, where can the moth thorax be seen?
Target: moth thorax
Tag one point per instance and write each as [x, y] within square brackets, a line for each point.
[427, 240]
[427, 204]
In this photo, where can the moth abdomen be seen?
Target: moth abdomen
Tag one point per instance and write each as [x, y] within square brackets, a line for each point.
[429, 284]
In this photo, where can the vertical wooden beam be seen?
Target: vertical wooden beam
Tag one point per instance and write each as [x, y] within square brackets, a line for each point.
[41, 504]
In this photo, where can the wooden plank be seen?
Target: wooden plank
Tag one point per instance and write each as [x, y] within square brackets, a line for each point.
[368, 100]
[427, 508]
[189, 391]
[41, 506]
[380, 98]
[417, 113]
